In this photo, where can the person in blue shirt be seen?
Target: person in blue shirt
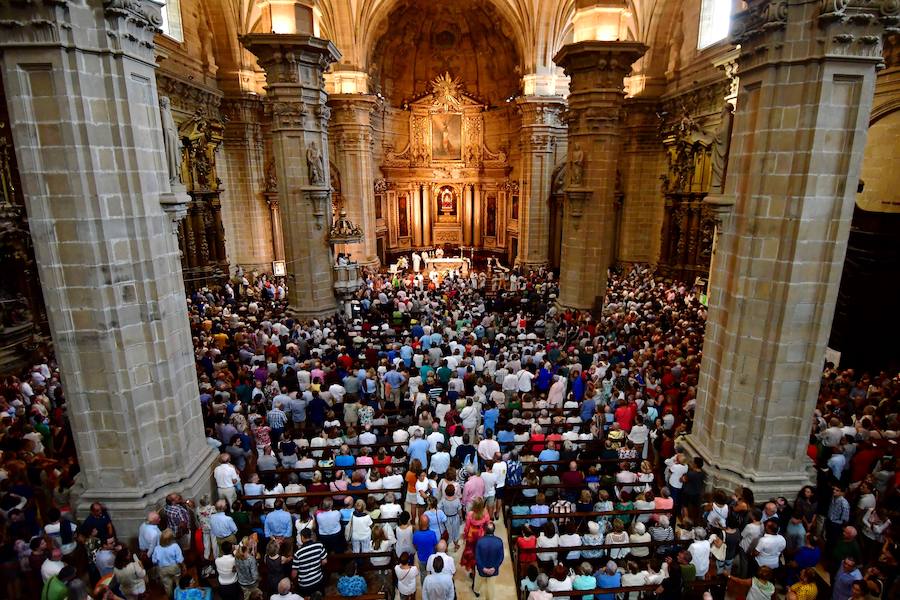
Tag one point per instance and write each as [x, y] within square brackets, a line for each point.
[588, 408]
[488, 558]
[418, 448]
[505, 437]
[221, 525]
[549, 453]
[491, 415]
[344, 459]
[425, 539]
[608, 577]
[278, 522]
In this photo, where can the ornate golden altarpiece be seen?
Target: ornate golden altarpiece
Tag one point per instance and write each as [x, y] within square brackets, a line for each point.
[445, 187]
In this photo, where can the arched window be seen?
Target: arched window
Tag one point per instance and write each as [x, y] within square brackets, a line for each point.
[715, 19]
[171, 20]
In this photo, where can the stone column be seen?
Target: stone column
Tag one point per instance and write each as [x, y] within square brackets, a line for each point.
[351, 135]
[275, 218]
[426, 213]
[541, 134]
[245, 214]
[596, 73]
[82, 100]
[294, 64]
[807, 80]
[643, 163]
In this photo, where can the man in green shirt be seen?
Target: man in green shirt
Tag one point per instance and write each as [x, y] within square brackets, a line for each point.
[57, 587]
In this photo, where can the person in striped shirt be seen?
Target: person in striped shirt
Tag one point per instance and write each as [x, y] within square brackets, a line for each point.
[306, 568]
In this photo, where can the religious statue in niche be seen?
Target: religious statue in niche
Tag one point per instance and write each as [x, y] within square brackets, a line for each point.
[490, 228]
[446, 136]
[402, 216]
[720, 144]
[576, 165]
[171, 140]
[515, 207]
[446, 198]
[314, 165]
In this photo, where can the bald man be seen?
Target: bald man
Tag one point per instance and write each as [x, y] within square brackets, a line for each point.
[148, 534]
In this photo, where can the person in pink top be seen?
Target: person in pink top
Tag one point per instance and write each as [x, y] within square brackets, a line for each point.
[662, 502]
[474, 488]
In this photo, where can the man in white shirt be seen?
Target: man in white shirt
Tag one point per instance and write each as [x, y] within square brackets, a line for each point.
[53, 565]
[434, 438]
[226, 477]
[699, 551]
[488, 447]
[400, 437]
[675, 470]
[770, 546]
[510, 385]
[367, 437]
[440, 461]
[524, 381]
[390, 509]
[392, 481]
[449, 563]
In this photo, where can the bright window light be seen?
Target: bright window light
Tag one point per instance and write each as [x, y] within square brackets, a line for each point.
[715, 19]
[171, 20]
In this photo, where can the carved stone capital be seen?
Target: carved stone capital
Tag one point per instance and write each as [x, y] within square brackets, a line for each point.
[541, 110]
[598, 66]
[854, 28]
[292, 59]
[761, 17]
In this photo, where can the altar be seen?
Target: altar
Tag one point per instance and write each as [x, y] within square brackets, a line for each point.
[444, 264]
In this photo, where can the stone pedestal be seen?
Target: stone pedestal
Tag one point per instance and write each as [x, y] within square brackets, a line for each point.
[350, 132]
[543, 132]
[807, 79]
[80, 85]
[294, 64]
[596, 71]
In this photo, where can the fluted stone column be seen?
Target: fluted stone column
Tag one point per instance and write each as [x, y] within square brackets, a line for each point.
[596, 71]
[351, 134]
[806, 87]
[82, 98]
[541, 134]
[294, 64]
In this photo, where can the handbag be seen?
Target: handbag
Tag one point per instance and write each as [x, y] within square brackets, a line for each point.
[445, 534]
[348, 530]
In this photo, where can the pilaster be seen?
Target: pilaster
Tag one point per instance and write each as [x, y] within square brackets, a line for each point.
[82, 99]
[596, 71]
[542, 135]
[350, 131]
[294, 64]
[807, 75]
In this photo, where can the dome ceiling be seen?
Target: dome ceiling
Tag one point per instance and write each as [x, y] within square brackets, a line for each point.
[422, 39]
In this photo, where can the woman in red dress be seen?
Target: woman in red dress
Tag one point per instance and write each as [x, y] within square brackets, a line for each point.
[476, 520]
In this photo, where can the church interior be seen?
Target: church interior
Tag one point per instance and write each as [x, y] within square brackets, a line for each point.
[215, 213]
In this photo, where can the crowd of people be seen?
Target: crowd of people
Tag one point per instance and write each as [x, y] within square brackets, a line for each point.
[459, 425]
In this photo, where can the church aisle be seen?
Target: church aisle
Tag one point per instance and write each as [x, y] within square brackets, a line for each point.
[506, 584]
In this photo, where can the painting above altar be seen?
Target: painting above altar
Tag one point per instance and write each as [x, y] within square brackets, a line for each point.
[446, 136]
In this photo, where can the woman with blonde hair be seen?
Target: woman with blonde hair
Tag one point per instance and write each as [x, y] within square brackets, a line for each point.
[169, 560]
[382, 541]
[360, 528]
[476, 521]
